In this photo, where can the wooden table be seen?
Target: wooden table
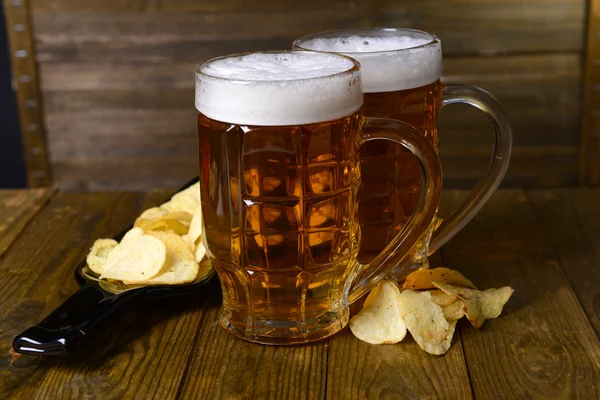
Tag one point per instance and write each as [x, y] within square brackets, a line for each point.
[546, 244]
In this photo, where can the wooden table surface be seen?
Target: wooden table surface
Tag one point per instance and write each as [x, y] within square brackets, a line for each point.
[545, 244]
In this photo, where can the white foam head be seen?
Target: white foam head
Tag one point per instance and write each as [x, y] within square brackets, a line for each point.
[278, 88]
[390, 59]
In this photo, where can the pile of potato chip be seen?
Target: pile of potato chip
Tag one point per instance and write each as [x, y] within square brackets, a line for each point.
[428, 306]
[164, 246]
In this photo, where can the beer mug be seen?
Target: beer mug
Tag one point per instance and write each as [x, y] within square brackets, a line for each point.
[278, 136]
[401, 70]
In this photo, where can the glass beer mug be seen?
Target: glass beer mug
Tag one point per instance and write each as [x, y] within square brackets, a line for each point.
[279, 135]
[401, 70]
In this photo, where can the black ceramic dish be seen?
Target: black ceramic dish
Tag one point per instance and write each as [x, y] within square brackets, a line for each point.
[69, 326]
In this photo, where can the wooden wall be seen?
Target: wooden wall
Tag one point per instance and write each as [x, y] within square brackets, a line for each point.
[117, 78]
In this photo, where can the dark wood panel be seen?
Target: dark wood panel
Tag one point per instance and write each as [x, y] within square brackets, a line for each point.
[157, 172]
[17, 207]
[121, 73]
[136, 174]
[178, 5]
[136, 116]
[570, 219]
[543, 345]
[532, 168]
[465, 28]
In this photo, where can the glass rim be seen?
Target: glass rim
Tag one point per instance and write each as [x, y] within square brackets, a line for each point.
[297, 43]
[355, 66]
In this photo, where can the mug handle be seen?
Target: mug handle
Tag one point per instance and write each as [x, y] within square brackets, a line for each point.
[486, 186]
[431, 184]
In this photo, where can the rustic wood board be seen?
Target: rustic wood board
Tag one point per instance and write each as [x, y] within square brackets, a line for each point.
[144, 354]
[37, 274]
[223, 366]
[360, 370]
[17, 207]
[122, 73]
[543, 345]
[190, 30]
[139, 129]
[570, 219]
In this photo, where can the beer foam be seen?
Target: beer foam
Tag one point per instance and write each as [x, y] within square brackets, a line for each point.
[278, 88]
[387, 63]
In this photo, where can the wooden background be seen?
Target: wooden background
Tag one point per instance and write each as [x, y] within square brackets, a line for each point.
[117, 78]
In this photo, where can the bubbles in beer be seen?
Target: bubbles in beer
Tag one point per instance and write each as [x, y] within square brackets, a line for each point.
[278, 88]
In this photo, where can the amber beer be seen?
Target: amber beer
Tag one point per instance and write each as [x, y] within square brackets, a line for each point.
[279, 136]
[278, 190]
[401, 80]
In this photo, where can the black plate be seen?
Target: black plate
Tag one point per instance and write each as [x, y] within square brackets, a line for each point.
[85, 312]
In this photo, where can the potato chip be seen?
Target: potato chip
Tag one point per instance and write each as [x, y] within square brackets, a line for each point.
[422, 278]
[426, 322]
[191, 191]
[176, 221]
[454, 311]
[98, 255]
[195, 230]
[479, 305]
[153, 213]
[179, 266]
[200, 252]
[442, 299]
[137, 258]
[380, 321]
[186, 239]
[452, 307]
[183, 202]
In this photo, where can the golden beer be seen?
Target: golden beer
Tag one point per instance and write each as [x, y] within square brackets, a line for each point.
[401, 81]
[279, 136]
[385, 206]
[401, 71]
[297, 188]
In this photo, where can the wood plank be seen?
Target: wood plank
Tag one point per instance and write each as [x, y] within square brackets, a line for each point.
[465, 28]
[529, 167]
[59, 76]
[160, 170]
[223, 366]
[543, 345]
[132, 112]
[36, 274]
[143, 354]
[177, 6]
[570, 219]
[17, 207]
[136, 174]
[360, 370]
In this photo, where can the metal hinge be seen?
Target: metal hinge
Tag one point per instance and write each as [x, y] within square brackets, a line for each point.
[26, 86]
